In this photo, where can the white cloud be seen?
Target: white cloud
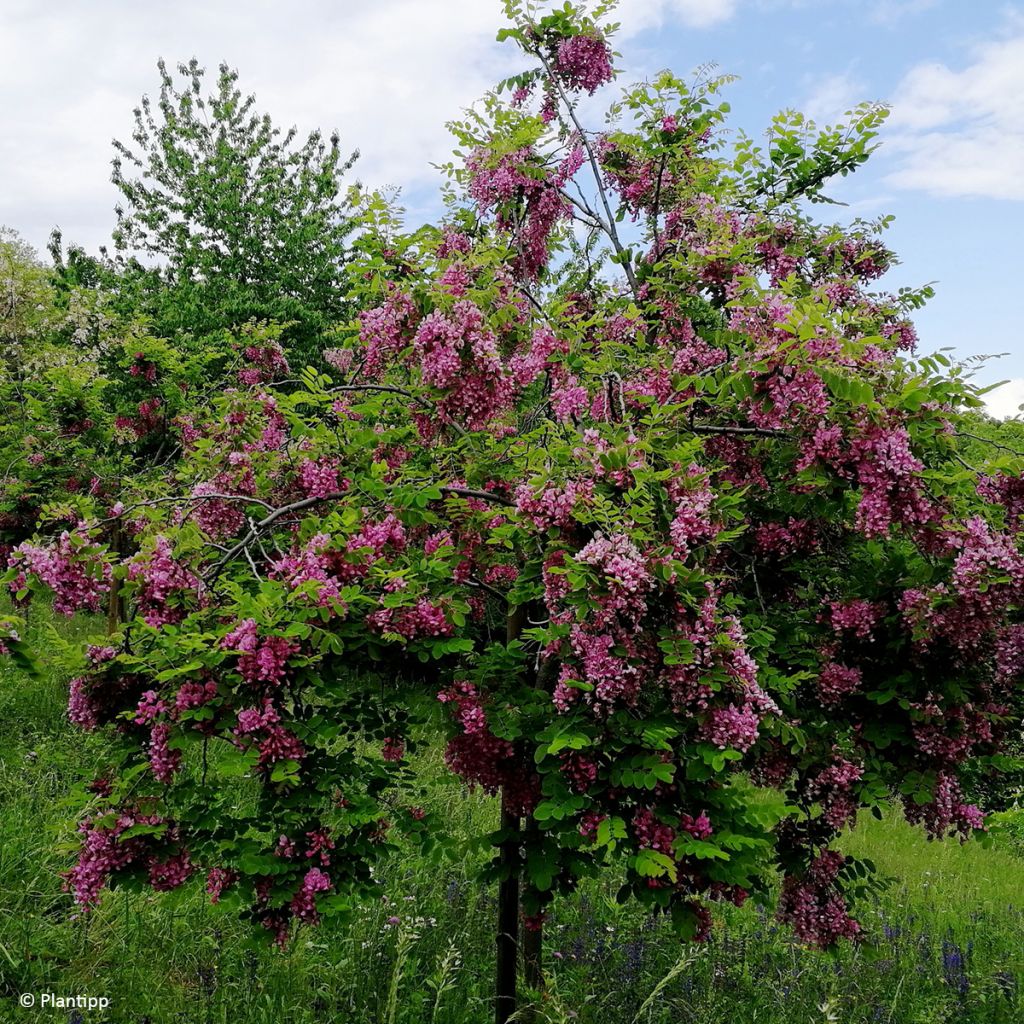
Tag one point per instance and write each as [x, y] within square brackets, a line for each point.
[889, 12]
[961, 133]
[833, 95]
[1004, 401]
[386, 74]
[638, 15]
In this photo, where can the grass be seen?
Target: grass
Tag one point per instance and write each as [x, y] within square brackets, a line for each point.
[944, 941]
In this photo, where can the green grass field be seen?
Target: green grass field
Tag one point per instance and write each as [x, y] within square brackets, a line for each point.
[944, 941]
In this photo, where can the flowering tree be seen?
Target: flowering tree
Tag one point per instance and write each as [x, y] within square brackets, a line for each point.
[629, 466]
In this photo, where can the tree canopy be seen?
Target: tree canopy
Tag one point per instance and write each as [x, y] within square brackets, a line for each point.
[633, 468]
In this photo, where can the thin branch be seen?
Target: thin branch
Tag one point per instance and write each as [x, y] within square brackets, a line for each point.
[390, 389]
[988, 440]
[708, 428]
[491, 590]
[609, 224]
[657, 203]
[468, 492]
[592, 219]
[255, 529]
[185, 499]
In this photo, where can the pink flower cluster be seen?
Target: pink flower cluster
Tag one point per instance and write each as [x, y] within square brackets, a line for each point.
[836, 682]
[318, 478]
[579, 770]
[946, 813]
[625, 576]
[162, 759]
[583, 62]
[553, 506]
[194, 695]
[652, 834]
[544, 345]
[102, 852]
[699, 827]
[458, 354]
[814, 906]
[274, 741]
[784, 540]
[636, 180]
[314, 563]
[888, 473]
[832, 786]
[732, 727]
[82, 711]
[609, 678]
[785, 395]
[217, 880]
[692, 524]
[262, 659]
[519, 179]
[1007, 491]
[79, 580]
[216, 517]
[987, 557]
[267, 362]
[386, 330]
[421, 620]
[159, 578]
[392, 749]
[303, 904]
[569, 400]
[165, 875]
[857, 617]
[479, 757]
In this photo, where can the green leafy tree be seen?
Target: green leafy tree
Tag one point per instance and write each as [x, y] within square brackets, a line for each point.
[26, 297]
[245, 221]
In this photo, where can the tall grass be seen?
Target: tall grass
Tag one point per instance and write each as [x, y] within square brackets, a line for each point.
[945, 942]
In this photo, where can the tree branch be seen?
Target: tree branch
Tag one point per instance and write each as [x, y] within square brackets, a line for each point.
[609, 224]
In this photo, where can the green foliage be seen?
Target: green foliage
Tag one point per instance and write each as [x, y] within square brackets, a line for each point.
[183, 961]
[247, 222]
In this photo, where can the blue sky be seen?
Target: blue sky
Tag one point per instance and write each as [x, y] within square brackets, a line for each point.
[388, 75]
[951, 167]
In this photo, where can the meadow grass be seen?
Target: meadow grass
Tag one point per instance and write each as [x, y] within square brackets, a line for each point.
[943, 941]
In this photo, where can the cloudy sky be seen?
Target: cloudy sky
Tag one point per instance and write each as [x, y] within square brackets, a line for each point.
[388, 73]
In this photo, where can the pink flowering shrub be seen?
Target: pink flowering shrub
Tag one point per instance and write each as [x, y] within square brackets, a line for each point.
[655, 523]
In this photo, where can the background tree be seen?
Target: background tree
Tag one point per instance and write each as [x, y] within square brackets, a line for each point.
[245, 221]
[26, 297]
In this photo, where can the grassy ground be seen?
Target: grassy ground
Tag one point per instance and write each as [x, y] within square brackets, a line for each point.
[944, 942]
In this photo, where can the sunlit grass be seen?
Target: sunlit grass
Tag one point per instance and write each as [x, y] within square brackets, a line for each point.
[944, 941]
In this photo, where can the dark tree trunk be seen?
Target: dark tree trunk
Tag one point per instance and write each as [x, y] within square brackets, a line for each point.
[507, 963]
[533, 938]
[533, 965]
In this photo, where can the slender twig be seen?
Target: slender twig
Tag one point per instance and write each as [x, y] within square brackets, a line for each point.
[255, 529]
[592, 220]
[490, 590]
[183, 499]
[708, 428]
[469, 492]
[657, 203]
[988, 440]
[609, 224]
[390, 389]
